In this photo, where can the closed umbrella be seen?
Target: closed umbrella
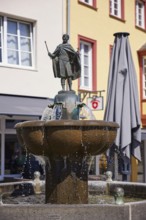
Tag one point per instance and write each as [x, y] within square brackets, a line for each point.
[122, 98]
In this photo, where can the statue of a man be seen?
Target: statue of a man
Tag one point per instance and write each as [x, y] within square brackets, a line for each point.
[66, 62]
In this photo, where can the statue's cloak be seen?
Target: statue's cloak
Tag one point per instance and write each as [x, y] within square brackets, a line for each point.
[66, 62]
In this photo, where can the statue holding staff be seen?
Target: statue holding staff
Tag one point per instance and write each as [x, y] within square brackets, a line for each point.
[66, 62]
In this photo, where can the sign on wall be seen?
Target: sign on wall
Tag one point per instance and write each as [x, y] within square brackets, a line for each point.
[95, 103]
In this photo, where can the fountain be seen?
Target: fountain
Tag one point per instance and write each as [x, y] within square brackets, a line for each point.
[65, 140]
[67, 143]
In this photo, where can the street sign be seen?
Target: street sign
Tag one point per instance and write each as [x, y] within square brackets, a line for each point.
[95, 102]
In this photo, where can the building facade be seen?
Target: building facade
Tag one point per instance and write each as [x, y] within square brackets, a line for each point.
[91, 26]
[27, 83]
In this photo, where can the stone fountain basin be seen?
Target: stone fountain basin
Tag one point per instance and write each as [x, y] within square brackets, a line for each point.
[128, 211]
[65, 137]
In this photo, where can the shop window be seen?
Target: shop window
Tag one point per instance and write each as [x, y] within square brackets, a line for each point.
[10, 123]
[141, 164]
[14, 157]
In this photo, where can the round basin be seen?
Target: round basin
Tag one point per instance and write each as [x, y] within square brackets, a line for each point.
[65, 137]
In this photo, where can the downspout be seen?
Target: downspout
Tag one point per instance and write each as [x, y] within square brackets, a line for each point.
[68, 22]
[68, 18]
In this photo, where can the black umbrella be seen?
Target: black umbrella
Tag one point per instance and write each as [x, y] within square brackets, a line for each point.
[122, 98]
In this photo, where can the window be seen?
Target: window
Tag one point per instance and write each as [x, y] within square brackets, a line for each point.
[117, 8]
[10, 123]
[14, 159]
[110, 51]
[142, 71]
[91, 3]
[16, 46]
[88, 63]
[0, 40]
[144, 77]
[12, 155]
[140, 14]
[0, 156]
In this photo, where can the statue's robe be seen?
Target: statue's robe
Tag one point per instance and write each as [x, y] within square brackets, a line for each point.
[66, 62]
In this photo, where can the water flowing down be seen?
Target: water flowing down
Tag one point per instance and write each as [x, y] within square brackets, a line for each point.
[57, 112]
[52, 113]
[47, 114]
[86, 113]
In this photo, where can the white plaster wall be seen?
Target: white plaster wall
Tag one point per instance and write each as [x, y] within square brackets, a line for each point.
[49, 25]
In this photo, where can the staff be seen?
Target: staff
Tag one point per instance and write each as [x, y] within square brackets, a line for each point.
[46, 46]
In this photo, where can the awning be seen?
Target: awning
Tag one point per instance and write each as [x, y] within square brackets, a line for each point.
[23, 105]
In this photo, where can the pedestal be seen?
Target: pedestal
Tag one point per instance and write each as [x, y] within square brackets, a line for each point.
[69, 101]
[67, 181]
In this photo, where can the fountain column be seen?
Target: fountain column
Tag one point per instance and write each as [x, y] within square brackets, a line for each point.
[66, 184]
[67, 175]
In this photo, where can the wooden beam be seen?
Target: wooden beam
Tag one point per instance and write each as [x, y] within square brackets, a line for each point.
[134, 169]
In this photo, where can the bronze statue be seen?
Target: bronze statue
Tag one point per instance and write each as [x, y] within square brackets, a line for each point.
[66, 62]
